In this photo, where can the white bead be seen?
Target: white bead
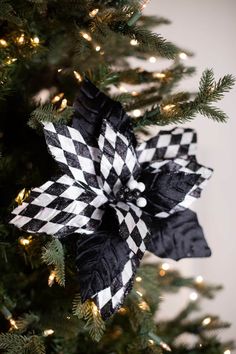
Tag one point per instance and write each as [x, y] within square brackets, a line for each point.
[141, 202]
[132, 184]
[141, 186]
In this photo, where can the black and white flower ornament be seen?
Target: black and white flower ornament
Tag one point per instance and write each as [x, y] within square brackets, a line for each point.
[120, 197]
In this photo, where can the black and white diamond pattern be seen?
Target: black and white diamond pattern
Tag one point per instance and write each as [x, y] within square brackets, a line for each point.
[60, 207]
[188, 166]
[168, 145]
[77, 159]
[134, 231]
[118, 159]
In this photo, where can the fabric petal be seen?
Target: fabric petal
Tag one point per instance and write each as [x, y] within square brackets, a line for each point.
[92, 107]
[168, 144]
[178, 236]
[188, 167]
[132, 231]
[118, 159]
[75, 157]
[59, 207]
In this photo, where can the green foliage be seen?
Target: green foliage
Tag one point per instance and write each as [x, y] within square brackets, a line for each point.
[53, 255]
[17, 344]
[89, 312]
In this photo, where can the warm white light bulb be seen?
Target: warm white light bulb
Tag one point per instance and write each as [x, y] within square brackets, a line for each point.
[165, 266]
[152, 60]
[134, 42]
[199, 279]
[183, 56]
[137, 113]
[193, 296]
[206, 321]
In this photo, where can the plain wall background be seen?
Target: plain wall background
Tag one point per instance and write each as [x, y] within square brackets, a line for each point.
[208, 28]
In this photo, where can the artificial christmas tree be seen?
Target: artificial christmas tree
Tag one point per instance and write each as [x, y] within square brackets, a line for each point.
[52, 52]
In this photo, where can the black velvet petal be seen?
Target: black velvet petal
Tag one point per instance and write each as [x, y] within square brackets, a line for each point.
[92, 107]
[178, 236]
[165, 190]
[101, 256]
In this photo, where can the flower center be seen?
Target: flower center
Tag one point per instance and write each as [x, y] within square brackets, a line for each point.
[132, 193]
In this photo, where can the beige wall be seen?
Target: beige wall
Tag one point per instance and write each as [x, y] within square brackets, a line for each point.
[208, 27]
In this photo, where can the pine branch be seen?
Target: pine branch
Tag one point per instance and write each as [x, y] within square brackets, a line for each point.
[53, 255]
[17, 344]
[48, 113]
[89, 312]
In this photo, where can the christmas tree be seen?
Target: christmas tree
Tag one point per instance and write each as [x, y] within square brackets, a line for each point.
[48, 51]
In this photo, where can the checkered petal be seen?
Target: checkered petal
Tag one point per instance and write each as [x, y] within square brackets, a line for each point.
[76, 159]
[188, 166]
[118, 159]
[168, 145]
[59, 207]
[133, 231]
[178, 236]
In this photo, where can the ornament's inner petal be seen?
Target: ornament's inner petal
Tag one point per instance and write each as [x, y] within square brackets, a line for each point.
[178, 236]
[118, 159]
[59, 208]
[76, 158]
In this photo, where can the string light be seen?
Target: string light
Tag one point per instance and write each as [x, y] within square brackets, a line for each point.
[193, 296]
[86, 36]
[97, 48]
[151, 341]
[139, 293]
[227, 351]
[144, 4]
[35, 41]
[93, 13]
[122, 311]
[206, 321]
[199, 279]
[57, 98]
[20, 40]
[77, 76]
[123, 89]
[138, 279]
[168, 107]
[134, 42]
[137, 113]
[13, 323]
[134, 93]
[183, 56]
[63, 105]
[165, 266]
[59, 70]
[22, 195]
[165, 346]
[159, 75]
[25, 241]
[144, 306]
[51, 278]
[48, 332]
[9, 60]
[3, 43]
[152, 60]
[162, 273]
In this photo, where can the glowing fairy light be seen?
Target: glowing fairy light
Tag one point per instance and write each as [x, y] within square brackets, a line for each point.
[77, 76]
[165, 266]
[165, 346]
[24, 241]
[13, 323]
[48, 332]
[35, 41]
[57, 98]
[93, 13]
[183, 56]
[9, 60]
[193, 296]
[138, 279]
[151, 341]
[86, 36]
[206, 321]
[134, 42]
[98, 48]
[95, 309]
[123, 89]
[3, 43]
[199, 279]
[139, 293]
[152, 60]
[144, 306]
[168, 107]
[144, 4]
[21, 39]
[63, 105]
[22, 195]
[137, 113]
[227, 351]
[159, 75]
[51, 278]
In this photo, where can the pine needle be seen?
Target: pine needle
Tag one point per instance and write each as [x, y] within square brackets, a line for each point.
[53, 255]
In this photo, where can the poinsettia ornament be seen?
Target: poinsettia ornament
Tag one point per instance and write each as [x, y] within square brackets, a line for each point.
[121, 198]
